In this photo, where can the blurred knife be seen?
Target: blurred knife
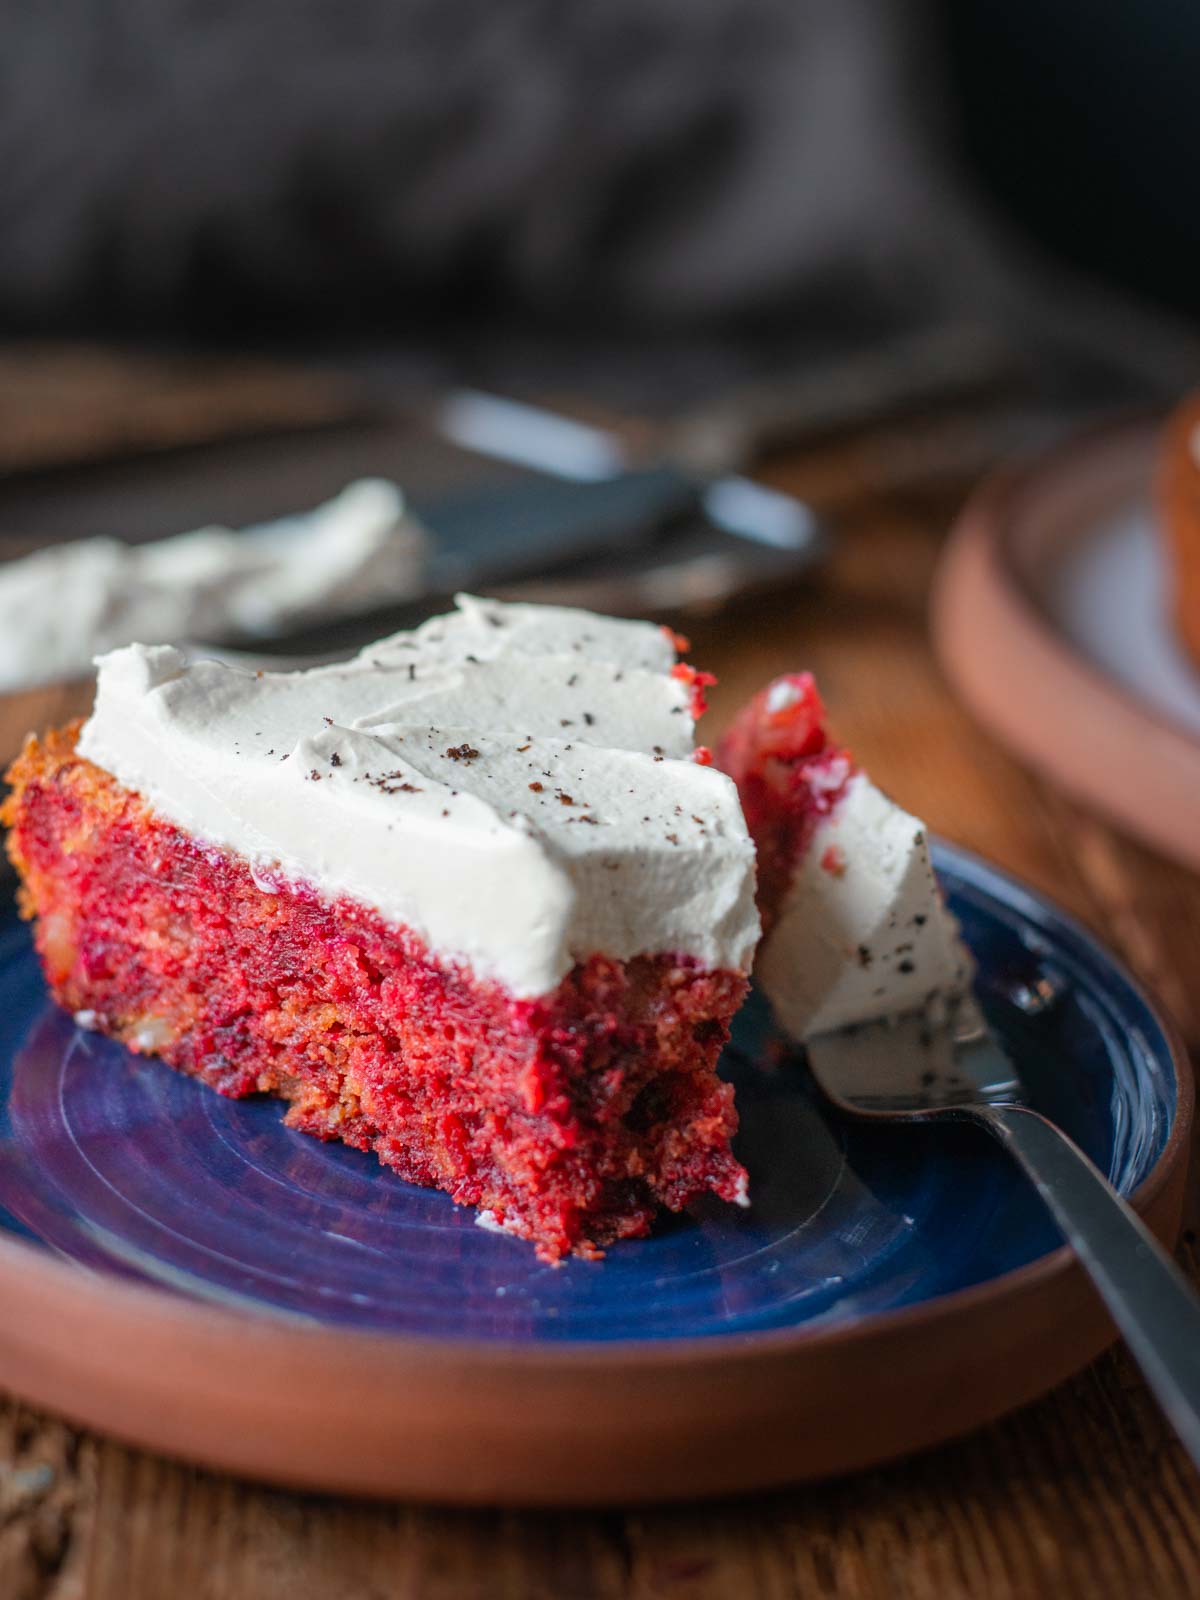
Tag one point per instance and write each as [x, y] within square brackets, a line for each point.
[592, 528]
[611, 501]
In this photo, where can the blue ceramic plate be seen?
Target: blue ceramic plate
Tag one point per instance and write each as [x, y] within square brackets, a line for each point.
[122, 1166]
[125, 1166]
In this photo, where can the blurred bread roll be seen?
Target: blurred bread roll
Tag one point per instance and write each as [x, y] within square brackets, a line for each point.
[1179, 501]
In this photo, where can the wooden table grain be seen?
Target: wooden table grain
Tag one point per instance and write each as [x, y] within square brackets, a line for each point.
[1085, 1493]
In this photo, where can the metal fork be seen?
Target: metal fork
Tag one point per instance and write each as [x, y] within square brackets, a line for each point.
[910, 1071]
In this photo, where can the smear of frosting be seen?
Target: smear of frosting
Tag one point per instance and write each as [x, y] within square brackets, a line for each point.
[61, 607]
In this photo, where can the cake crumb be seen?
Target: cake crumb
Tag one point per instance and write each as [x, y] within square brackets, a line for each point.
[833, 861]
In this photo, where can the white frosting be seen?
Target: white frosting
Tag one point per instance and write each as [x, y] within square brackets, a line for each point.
[489, 781]
[863, 931]
[63, 606]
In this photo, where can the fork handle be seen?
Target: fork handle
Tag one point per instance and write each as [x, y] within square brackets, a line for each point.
[1147, 1296]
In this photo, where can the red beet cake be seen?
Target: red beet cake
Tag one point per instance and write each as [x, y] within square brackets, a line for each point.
[568, 1116]
[790, 774]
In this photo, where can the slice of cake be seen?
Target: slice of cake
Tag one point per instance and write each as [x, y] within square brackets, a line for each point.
[855, 927]
[467, 901]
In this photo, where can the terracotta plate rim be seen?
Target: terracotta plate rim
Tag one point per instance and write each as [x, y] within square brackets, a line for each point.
[989, 634]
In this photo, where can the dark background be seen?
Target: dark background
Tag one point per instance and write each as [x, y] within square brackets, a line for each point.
[275, 171]
[1082, 119]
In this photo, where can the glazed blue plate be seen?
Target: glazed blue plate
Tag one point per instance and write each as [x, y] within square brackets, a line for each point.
[119, 1164]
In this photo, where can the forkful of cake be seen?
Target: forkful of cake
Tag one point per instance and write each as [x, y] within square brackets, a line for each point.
[864, 965]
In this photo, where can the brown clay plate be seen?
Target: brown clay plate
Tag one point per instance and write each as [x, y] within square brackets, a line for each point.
[1050, 617]
[184, 1272]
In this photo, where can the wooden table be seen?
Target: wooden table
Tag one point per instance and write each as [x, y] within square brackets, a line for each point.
[1086, 1493]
